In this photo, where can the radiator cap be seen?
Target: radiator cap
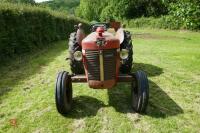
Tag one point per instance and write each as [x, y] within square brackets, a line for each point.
[100, 31]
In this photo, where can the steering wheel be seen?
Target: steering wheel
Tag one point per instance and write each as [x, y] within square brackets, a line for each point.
[96, 25]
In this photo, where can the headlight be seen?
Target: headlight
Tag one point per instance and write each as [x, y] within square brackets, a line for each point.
[78, 56]
[124, 54]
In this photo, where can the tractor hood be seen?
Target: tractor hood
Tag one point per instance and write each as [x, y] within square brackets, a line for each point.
[101, 58]
[104, 40]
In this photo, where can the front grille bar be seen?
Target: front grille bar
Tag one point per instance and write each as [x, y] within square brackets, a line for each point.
[101, 65]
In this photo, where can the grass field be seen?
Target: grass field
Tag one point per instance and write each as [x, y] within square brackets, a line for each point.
[170, 58]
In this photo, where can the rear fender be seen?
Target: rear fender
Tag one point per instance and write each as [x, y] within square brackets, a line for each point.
[80, 34]
[120, 35]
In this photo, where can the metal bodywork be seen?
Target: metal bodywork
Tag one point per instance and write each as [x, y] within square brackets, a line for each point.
[101, 56]
[121, 78]
[80, 35]
[101, 62]
[120, 35]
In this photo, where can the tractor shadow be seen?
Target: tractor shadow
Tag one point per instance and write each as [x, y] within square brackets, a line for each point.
[149, 69]
[160, 104]
[85, 106]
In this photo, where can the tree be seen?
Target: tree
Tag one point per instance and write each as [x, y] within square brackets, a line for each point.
[62, 5]
[91, 9]
[20, 1]
[120, 9]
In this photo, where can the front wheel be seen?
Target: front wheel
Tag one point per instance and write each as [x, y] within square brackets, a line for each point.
[140, 92]
[63, 93]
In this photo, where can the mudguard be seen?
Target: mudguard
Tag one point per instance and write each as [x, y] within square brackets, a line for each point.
[120, 35]
[80, 35]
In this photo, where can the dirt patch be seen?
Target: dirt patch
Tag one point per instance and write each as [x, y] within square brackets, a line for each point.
[78, 125]
[134, 117]
[138, 123]
[105, 124]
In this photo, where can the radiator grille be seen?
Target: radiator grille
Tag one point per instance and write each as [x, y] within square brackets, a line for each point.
[93, 65]
[92, 62]
[109, 57]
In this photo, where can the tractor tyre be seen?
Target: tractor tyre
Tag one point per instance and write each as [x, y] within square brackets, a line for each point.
[63, 93]
[76, 66]
[127, 44]
[140, 92]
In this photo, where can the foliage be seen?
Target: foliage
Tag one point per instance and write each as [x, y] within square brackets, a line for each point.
[91, 9]
[62, 5]
[183, 14]
[20, 1]
[25, 27]
[119, 9]
[164, 22]
[151, 22]
[173, 14]
[187, 13]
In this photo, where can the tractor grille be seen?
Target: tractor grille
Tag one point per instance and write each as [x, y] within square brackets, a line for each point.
[93, 64]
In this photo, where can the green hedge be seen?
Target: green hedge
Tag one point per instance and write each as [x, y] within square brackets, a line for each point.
[25, 27]
[164, 22]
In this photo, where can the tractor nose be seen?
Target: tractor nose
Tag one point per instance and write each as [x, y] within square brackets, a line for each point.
[100, 31]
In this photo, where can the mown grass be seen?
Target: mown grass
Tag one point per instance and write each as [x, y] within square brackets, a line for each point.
[170, 58]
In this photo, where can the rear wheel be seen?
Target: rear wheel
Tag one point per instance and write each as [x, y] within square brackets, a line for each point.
[76, 66]
[63, 93]
[127, 44]
[140, 92]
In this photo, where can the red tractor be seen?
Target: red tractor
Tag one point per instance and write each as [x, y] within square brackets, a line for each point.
[101, 59]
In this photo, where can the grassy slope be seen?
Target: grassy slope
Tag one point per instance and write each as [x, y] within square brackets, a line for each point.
[171, 59]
